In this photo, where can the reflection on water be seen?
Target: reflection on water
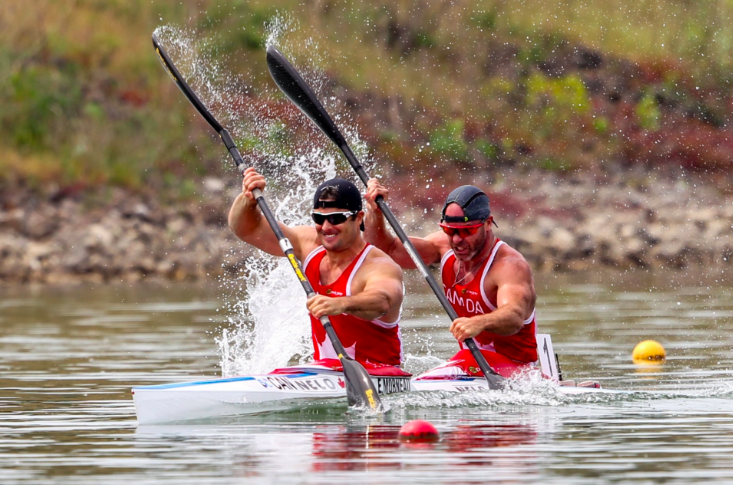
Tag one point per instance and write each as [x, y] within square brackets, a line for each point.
[69, 357]
[378, 447]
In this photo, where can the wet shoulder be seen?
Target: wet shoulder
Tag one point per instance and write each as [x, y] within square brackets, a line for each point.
[378, 258]
[509, 267]
[508, 256]
[305, 241]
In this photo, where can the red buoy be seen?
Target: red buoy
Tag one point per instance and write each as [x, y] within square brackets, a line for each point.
[418, 430]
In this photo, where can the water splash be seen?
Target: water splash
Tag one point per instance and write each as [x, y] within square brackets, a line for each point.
[268, 325]
[282, 31]
[200, 62]
[417, 364]
[536, 391]
[308, 58]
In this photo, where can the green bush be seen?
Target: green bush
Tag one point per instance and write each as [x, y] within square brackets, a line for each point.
[447, 141]
[84, 100]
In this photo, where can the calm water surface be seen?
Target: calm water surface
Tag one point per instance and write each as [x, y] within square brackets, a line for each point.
[68, 358]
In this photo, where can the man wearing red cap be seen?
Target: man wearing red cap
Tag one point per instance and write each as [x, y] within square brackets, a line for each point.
[359, 287]
[488, 283]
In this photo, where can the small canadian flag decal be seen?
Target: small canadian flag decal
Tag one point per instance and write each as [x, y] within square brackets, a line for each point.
[342, 383]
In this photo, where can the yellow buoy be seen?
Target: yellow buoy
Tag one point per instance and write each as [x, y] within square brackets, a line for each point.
[648, 352]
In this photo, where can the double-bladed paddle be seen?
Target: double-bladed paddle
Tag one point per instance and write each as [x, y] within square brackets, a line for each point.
[294, 86]
[360, 389]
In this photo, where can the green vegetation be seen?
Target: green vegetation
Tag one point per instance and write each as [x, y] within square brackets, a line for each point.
[563, 86]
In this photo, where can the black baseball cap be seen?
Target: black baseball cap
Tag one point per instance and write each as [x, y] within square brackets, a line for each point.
[474, 202]
[344, 195]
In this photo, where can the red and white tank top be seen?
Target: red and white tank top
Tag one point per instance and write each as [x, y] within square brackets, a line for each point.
[470, 299]
[369, 342]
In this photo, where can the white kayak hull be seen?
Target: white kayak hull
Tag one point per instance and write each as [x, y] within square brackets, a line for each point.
[215, 398]
[245, 395]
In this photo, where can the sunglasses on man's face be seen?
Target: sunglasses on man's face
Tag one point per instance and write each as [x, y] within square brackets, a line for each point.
[462, 231]
[333, 218]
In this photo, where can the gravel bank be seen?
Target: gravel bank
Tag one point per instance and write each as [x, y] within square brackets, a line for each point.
[560, 223]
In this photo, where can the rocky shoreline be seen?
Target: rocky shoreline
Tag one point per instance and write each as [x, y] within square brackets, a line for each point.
[560, 223]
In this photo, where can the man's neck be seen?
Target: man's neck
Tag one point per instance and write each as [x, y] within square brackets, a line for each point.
[342, 259]
[475, 262]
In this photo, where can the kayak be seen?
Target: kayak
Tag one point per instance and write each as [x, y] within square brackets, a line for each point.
[216, 398]
[290, 388]
[248, 394]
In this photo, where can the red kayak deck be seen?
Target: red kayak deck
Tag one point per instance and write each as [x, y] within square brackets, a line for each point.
[464, 365]
[380, 370]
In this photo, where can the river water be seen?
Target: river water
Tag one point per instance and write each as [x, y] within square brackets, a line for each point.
[68, 358]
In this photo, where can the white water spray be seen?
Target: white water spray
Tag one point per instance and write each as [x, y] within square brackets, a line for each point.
[268, 325]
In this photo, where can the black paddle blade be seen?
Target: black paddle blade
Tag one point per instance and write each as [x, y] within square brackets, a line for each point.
[360, 389]
[183, 85]
[294, 86]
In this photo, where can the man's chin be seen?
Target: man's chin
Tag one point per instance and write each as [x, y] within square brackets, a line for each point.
[464, 256]
[331, 244]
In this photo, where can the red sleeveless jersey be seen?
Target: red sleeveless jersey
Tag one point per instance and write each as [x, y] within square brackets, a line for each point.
[470, 299]
[369, 342]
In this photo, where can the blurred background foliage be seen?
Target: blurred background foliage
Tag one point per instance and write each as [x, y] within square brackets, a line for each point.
[439, 86]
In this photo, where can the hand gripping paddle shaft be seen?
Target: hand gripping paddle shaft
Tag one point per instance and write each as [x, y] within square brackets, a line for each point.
[360, 389]
[294, 86]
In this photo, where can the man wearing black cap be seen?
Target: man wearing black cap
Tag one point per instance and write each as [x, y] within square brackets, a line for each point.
[359, 287]
[488, 283]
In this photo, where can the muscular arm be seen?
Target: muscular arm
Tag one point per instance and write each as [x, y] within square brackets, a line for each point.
[377, 294]
[250, 225]
[515, 301]
[428, 248]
